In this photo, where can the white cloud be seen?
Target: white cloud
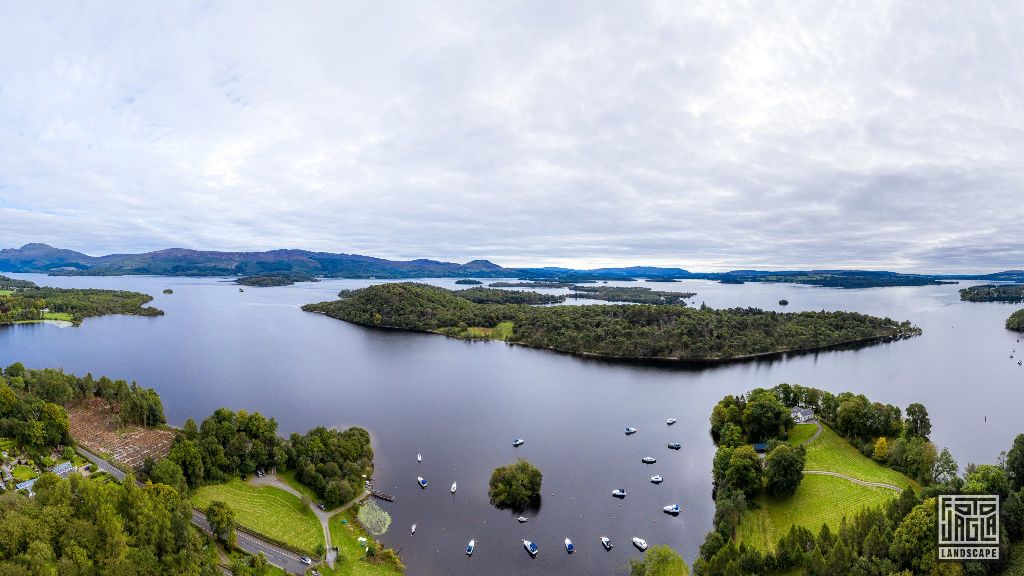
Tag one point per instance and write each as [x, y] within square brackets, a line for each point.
[707, 135]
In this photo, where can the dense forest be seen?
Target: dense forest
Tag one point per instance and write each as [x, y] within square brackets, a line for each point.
[25, 302]
[633, 294]
[468, 282]
[993, 293]
[834, 278]
[636, 332]
[275, 279]
[1016, 321]
[332, 462]
[480, 295]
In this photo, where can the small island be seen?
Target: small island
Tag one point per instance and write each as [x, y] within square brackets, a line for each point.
[663, 332]
[515, 486]
[1016, 321]
[783, 302]
[168, 291]
[468, 281]
[275, 279]
[25, 302]
[993, 293]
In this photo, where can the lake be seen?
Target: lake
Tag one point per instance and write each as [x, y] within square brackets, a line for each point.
[462, 403]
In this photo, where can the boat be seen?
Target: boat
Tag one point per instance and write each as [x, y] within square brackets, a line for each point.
[413, 529]
[673, 509]
[531, 548]
[422, 481]
[619, 493]
[240, 290]
[630, 430]
[522, 519]
[640, 543]
[453, 487]
[648, 459]
[675, 445]
[517, 442]
[568, 546]
[657, 479]
[606, 542]
[470, 547]
[419, 457]
[671, 421]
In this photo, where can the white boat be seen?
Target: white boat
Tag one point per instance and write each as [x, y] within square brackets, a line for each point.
[675, 445]
[619, 493]
[413, 529]
[606, 542]
[672, 509]
[630, 430]
[470, 547]
[671, 421]
[648, 459]
[419, 457]
[568, 546]
[517, 442]
[657, 479]
[422, 481]
[531, 548]
[522, 519]
[640, 543]
[453, 487]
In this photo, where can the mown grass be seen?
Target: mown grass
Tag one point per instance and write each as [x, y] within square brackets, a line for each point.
[800, 433]
[830, 452]
[58, 316]
[6, 292]
[503, 331]
[288, 477]
[819, 500]
[351, 556]
[22, 473]
[267, 510]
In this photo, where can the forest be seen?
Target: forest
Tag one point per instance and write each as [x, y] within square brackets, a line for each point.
[331, 462]
[275, 279]
[1016, 321]
[25, 302]
[668, 332]
[993, 293]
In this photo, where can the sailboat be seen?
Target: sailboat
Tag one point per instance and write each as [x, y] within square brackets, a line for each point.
[419, 457]
[453, 487]
[413, 529]
[606, 542]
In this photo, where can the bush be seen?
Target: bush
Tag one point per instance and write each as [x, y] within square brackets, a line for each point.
[516, 485]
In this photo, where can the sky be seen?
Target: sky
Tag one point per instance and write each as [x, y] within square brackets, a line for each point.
[708, 135]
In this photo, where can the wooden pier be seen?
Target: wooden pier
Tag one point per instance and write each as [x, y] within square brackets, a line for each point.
[382, 496]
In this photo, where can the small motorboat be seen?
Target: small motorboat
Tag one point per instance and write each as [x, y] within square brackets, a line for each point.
[630, 430]
[606, 542]
[522, 519]
[531, 548]
[518, 442]
[568, 546]
[419, 457]
[619, 493]
[640, 543]
[671, 421]
[413, 529]
[648, 459]
[422, 481]
[675, 445]
[673, 509]
[657, 479]
[453, 487]
[470, 547]
[240, 290]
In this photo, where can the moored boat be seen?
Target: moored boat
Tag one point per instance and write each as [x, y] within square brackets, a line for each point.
[672, 509]
[606, 542]
[419, 457]
[648, 459]
[619, 493]
[568, 546]
[522, 519]
[630, 430]
[671, 421]
[422, 481]
[518, 442]
[453, 487]
[657, 479]
[470, 547]
[675, 445]
[413, 529]
[531, 548]
[640, 543]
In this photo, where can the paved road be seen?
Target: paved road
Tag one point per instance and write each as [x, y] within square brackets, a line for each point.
[251, 544]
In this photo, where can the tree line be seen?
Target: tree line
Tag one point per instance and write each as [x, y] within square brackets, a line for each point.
[993, 293]
[28, 302]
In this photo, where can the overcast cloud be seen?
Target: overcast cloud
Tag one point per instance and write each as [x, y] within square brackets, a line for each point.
[708, 135]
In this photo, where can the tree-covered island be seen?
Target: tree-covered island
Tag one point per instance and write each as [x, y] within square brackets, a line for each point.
[22, 301]
[1016, 321]
[641, 332]
[993, 293]
[275, 279]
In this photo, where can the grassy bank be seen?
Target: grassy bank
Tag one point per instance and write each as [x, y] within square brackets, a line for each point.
[352, 559]
[830, 452]
[266, 510]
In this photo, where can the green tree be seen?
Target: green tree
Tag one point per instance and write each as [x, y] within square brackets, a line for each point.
[765, 416]
[914, 541]
[222, 522]
[515, 485]
[987, 479]
[168, 472]
[745, 472]
[881, 451]
[917, 424]
[731, 436]
[784, 468]
[1015, 463]
[946, 468]
[659, 561]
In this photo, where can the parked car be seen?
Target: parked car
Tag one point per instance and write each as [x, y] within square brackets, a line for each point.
[321, 506]
[306, 560]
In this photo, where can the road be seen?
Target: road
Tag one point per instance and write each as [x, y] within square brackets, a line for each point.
[276, 555]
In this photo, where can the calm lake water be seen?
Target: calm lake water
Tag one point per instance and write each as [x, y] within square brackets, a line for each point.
[462, 403]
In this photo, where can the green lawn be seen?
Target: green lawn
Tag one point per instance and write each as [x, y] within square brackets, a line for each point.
[266, 510]
[6, 292]
[830, 452]
[58, 316]
[800, 433]
[351, 557]
[289, 479]
[500, 332]
[819, 500]
[22, 473]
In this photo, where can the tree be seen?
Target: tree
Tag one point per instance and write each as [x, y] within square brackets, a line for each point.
[745, 472]
[917, 424]
[881, 451]
[515, 485]
[784, 470]
[765, 417]
[914, 541]
[659, 561]
[1015, 463]
[222, 522]
[731, 436]
[167, 472]
[987, 479]
[946, 468]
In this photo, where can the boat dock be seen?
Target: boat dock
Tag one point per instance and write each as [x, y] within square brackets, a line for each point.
[382, 496]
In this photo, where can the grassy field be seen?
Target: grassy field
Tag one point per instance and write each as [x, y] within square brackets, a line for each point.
[58, 316]
[500, 332]
[830, 452]
[22, 473]
[288, 478]
[351, 557]
[6, 292]
[267, 510]
[800, 433]
[819, 500]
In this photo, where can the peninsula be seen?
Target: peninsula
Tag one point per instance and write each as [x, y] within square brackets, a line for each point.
[22, 302]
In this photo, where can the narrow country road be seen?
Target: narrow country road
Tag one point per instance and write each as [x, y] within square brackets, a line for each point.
[816, 434]
[277, 556]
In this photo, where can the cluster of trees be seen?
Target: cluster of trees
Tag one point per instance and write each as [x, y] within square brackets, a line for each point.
[27, 302]
[468, 282]
[659, 561]
[898, 539]
[1016, 321]
[332, 462]
[481, 295]
[632, 294]
[515, 485]
[80, 527]
[636, 332]
[275, 279]
[227, 444]
[835, 278]
[993, 293]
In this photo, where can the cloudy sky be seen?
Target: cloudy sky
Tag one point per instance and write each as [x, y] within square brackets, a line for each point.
[709, 135]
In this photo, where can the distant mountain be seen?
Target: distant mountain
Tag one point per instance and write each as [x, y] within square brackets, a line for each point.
[183, 262]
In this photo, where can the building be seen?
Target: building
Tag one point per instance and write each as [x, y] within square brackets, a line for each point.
[801, 415]
[63, 469]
